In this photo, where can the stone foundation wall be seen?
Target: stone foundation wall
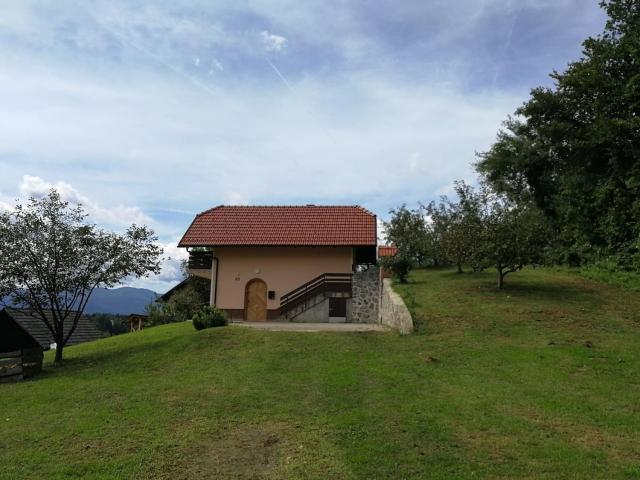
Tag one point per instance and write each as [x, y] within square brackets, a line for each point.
[363, 306]
[393, 311]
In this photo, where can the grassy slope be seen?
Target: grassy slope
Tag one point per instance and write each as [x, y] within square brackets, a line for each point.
[610, 272]
[514, 393]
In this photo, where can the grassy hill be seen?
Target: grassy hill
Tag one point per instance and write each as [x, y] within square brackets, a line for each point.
[540, 380]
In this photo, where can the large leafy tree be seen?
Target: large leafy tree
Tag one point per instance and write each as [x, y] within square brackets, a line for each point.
[53, 259]
[408, 231]
[574, 149]
[457, 224]
[512, 236]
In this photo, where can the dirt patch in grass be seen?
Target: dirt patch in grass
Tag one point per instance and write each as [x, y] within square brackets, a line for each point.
[505, 449]
[502, 446]
[616, 446]
[567, 320]
[238, 452]
[495, 446]
[553, 315]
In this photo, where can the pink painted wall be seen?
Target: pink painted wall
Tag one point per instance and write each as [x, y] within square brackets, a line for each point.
[282, 269]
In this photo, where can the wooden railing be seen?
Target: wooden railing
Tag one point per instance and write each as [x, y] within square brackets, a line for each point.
[327, 282]
[199, 260]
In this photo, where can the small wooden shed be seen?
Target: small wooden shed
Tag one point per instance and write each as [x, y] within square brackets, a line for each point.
[24, 337]
[20, 353]
[136, 322]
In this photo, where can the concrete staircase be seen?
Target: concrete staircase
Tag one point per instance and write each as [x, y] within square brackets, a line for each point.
[313, 294]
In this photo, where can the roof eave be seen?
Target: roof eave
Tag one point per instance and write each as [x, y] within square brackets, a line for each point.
[213, 245]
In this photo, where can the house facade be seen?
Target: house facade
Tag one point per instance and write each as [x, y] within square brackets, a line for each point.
[287, 263]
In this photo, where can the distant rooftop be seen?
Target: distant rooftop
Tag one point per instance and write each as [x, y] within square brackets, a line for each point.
[85, 330]
[387, 250]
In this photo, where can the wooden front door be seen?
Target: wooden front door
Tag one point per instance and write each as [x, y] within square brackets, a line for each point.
[255, 301]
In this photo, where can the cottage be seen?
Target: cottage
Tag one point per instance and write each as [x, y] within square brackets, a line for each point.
[288, 263]
[20, 353]
[85, 330]
[165, 297]
[23, 338]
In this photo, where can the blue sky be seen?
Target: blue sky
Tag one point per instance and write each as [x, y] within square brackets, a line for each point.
[153, 111]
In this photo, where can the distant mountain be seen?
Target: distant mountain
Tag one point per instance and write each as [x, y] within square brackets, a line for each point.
[119, 301]
[123, 301]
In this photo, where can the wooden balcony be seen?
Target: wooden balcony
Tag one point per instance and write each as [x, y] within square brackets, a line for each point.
[200, 260]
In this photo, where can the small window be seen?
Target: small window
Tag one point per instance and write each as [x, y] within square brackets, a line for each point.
[272, 294]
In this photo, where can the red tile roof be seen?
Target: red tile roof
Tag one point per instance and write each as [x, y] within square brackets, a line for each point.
[282, 225]
[387, 251]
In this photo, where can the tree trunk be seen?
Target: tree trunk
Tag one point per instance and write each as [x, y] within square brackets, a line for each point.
[58, 359]
[459, 265]
[501, 276]
[59, 349]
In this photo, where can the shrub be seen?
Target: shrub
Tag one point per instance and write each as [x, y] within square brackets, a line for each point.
[160, 313]
[609, 271]
[190, 299]
[182, 305]
[110, 323]
[399, 266]
[209, 317]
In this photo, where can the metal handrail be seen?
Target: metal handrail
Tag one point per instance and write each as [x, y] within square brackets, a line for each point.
[325, 282]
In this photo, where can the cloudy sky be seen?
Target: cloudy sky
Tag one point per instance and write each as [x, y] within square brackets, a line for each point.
[152, 111]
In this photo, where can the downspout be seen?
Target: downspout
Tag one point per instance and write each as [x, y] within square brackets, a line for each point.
[213, 290]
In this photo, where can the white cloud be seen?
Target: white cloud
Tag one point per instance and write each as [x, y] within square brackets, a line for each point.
[381, 232]
[215, 65]
[236, 198]
[37, 187]
[183, 149]
[118, 216]
[171, 270]
[171, 266]
[172, 263]
[273, 42]
[446, 190]
[5, 206]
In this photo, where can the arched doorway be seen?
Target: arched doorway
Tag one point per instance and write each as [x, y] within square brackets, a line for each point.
[255, 301]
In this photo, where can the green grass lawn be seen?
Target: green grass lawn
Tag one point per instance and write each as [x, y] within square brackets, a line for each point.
[541, 380]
